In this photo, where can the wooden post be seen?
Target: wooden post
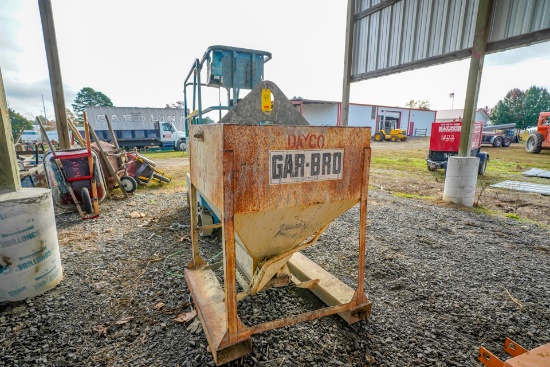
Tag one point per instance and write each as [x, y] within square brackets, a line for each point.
[50, 42]
[115, 141]
[347, 62]
[76, 134]
[474, 76]
[9, 173]
[108, 163]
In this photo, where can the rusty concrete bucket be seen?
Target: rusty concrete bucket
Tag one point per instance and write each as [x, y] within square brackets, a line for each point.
[276, 183]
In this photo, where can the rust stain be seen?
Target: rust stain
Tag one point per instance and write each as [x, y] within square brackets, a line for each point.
[231, 166]
[6, 260]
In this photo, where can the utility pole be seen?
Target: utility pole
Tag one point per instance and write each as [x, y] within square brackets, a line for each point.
[44, 105]
[50, 42]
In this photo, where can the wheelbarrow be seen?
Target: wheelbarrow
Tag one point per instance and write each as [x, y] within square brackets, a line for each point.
[75, 178]
[144, 170]
[118, 161]
[112, 159]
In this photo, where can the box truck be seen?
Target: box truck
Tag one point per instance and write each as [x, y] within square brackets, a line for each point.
[140, 127]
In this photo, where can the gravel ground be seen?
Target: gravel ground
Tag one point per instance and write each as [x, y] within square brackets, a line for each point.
[442, 280]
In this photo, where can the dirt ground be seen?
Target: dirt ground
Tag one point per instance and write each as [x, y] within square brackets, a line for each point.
[420, 182]
[443, 280]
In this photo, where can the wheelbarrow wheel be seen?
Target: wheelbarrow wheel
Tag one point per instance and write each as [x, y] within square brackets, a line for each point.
[161, 178]
[129, 184]
[86, 200]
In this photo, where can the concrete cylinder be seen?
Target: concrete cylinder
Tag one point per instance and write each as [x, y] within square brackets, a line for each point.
[30, 262]
[461, 180]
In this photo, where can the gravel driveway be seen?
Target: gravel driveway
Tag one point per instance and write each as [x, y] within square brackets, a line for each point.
[442, 281]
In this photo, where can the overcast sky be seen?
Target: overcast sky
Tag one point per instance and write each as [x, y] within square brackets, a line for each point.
[138, 53]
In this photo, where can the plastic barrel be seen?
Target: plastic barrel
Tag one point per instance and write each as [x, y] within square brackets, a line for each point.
[461, 180]
[30, 262]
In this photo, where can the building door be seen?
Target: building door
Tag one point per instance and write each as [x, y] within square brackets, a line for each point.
[388, 120]
[411, 128]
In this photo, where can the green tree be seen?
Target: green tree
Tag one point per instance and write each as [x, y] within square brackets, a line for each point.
[420, 104]
[521, 107]
[18, 123]
[70, 115]
[178, 105]
[89, 97]
[510, 109]
[536, 100]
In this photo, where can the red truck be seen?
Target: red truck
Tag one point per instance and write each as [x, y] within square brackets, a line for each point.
[445, 140]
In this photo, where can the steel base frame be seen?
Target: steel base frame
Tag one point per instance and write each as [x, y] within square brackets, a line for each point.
[229, 339]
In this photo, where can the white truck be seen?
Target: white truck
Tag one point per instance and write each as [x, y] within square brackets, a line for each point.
[140, 127]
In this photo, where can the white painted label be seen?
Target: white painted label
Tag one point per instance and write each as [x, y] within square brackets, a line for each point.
[289, 166]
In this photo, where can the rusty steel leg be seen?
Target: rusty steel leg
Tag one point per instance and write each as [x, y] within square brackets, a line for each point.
[360, 292]
[208, 297]
[230, 258]
[306, 316]
[193, 211]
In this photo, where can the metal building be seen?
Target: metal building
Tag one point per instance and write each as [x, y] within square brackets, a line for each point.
[328, 113]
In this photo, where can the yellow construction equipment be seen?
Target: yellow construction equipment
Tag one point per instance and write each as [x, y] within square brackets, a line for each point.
[393, 135]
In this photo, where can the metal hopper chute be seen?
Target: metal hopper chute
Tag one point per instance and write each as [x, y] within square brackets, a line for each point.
[275, 183]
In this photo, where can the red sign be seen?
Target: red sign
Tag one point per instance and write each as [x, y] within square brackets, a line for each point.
[309, 141]
[445, 136]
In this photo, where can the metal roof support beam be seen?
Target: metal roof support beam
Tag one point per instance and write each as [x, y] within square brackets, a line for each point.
[474, 76]
[350, 22]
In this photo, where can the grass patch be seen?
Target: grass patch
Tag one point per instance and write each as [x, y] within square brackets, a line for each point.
[512, 215]
[482, 210]
[165, 154]
[410, 164]
[406, 195]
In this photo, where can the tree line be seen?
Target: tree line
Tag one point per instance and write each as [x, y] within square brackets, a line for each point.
[517, 106]
[521, 107]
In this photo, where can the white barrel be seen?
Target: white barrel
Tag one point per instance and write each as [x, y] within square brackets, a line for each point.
[30, 262]
[461, 180]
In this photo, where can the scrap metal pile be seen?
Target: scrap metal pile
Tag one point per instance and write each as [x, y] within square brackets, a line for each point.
[81, 177]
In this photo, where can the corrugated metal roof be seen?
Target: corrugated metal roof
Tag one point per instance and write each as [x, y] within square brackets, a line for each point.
[513, 18]
[537, 172]
[449, 114]
[523, 186]
[397, 35]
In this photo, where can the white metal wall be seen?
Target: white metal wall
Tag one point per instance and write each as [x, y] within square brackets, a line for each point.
[423, 120]
[361, 116]
[320, 114]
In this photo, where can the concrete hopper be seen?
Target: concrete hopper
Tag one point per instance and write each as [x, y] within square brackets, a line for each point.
[276, 183]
